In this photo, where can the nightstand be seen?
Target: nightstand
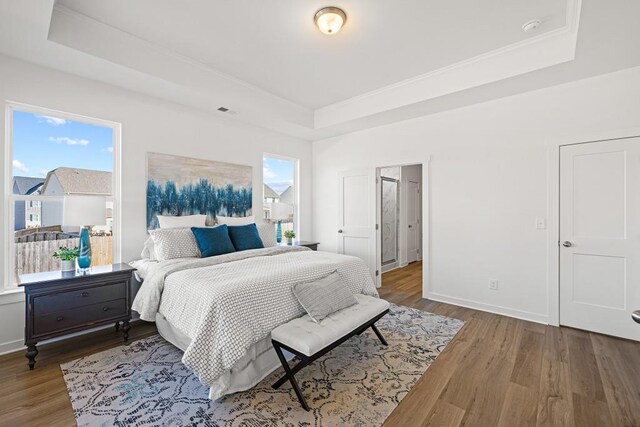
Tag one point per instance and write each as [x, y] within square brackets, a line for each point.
[60, 303]
[311, 245]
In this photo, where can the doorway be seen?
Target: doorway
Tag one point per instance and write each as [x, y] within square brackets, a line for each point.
[390, 221]
[399, 215]
[599, 237]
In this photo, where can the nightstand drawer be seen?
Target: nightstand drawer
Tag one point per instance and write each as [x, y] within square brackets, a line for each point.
[54, 303]
[61, 320]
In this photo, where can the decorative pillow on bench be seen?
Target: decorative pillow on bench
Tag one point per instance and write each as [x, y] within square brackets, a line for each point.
[324, 297]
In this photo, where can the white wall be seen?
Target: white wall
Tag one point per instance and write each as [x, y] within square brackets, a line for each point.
[148, 124]
[488, 181]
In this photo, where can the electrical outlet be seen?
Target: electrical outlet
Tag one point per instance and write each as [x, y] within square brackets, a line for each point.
[541, 223]
[493, 284]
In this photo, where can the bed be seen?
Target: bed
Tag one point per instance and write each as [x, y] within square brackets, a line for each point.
[220, 310]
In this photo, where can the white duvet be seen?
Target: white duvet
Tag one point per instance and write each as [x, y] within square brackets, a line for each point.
[227, 303]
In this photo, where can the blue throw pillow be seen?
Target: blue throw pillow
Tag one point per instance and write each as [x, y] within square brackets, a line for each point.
[245, 237]
[213, 241]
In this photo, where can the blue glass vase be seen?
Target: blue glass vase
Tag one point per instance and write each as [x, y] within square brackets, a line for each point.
[84, 249]
[279, 232]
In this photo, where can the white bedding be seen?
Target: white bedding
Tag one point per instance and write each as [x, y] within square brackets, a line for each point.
[228, 303]
[144, 267]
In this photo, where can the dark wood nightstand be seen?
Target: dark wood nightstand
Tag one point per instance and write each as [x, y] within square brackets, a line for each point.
[311, 245]
[60, 303]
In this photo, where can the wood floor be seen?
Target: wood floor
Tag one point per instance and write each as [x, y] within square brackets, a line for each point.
[39, 397]
[497, 371]
[500, 371]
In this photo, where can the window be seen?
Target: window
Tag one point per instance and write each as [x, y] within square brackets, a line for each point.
[53, 155]
[280, 194]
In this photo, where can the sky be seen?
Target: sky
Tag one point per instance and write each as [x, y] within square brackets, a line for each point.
[43, 143]
[278, 173]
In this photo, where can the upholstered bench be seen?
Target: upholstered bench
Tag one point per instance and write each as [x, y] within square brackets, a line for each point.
[310, 340]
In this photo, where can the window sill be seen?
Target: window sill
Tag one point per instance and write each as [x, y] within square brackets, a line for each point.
[11, 296]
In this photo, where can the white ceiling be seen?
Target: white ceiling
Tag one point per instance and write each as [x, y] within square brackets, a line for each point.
[274, 45]
[274, 72]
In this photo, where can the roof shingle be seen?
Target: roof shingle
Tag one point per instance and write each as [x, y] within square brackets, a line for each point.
[81, 181]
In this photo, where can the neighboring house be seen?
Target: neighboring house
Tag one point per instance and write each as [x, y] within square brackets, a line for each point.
[288, 196]
[64, 181]
[269, 197]
[72, 181]
[27, 214]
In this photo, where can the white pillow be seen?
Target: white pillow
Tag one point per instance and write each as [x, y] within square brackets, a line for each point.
[267, 234]
[167, 221]
[149, 250]
[173, 243]
[229, 220]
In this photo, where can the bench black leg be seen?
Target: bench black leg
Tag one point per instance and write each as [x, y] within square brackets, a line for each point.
[380, 337]
[290, 376]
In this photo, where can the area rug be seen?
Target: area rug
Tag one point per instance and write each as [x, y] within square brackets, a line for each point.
[357, 384]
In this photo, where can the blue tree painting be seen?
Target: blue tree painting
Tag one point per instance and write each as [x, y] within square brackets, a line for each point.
[185, 186]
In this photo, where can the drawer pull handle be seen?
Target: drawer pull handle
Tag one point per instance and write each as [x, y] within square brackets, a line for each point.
[59, 318]
[85, 294]
[105, 308]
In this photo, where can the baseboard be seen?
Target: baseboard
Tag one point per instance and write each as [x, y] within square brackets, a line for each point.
[18, 345]
[495, 309]
[395, 267]
[11, 346]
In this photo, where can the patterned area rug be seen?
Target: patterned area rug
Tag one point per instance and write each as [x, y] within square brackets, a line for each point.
[357, 384]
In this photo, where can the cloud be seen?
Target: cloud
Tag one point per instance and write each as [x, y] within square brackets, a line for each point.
[55, 121]
[18, 165]
[268, 173]
[107, 150]
[44, 172]
[68, 141]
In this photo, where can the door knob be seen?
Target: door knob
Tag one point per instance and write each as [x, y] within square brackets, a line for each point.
[410, 226]
[339, 231]
[567, 244]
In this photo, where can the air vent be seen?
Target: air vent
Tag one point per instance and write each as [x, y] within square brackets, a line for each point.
[223, 109]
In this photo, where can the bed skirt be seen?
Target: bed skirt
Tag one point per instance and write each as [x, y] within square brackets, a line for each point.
[259, 361]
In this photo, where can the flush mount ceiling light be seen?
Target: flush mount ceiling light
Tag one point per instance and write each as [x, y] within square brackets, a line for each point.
[330, 20]
[531, 26]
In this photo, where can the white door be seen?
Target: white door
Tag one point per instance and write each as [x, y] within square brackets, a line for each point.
[413, 221]
[600, 236]
[357, 215]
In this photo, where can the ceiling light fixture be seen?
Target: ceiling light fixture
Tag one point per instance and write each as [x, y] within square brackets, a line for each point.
[330, 20]
[531, 26]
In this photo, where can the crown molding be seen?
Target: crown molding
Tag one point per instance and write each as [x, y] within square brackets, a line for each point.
[187, 81]
[75, 15]
[177, 77]
[545, 50]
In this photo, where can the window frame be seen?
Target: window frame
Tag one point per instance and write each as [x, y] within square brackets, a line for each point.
[296, 187]
[10, 198]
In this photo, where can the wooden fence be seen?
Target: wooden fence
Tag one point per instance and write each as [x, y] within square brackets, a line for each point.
[37, 256]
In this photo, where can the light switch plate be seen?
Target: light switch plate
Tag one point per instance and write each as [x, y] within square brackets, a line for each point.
[541, 223]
